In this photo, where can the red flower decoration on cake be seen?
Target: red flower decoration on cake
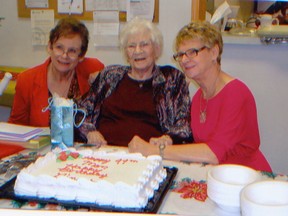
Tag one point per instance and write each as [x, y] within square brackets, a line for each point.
[64, 155]
[74, 155]
[32, 203]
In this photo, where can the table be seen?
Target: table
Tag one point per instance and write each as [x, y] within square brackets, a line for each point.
[187, 195]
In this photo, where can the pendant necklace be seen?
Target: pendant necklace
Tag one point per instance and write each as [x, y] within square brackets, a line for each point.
[140, 83]
[203, 112]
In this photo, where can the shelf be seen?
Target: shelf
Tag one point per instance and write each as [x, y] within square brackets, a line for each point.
[269, 36]
[241, 39]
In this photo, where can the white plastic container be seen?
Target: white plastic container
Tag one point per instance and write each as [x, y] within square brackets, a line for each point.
[4, 82]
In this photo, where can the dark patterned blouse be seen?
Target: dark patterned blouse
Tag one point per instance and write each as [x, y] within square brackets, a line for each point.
[169, 91]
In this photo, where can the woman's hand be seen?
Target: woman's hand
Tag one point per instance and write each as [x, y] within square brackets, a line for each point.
[95, 137]
[92, 77]
[137, 144]
[163, 140]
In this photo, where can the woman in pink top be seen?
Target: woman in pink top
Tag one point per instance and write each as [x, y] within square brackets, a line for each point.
[223, 110]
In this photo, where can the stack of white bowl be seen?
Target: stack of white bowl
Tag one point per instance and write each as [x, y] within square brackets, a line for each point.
[265, 198]
[225, 182]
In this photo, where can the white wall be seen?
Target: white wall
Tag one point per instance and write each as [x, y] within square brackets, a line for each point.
[263, 68]
[16, 46]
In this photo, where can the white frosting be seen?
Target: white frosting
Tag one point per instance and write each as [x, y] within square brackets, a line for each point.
[117, 179]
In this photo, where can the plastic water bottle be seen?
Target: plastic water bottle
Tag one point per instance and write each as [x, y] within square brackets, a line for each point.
[3, 84]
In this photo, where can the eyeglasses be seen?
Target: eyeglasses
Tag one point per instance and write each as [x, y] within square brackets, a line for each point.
[72, 53]
[131, 47]
[190, 53]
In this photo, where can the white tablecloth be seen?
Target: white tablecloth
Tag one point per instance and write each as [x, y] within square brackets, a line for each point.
[190, 201]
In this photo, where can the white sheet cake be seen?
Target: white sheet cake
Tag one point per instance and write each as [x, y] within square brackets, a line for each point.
[116, 179]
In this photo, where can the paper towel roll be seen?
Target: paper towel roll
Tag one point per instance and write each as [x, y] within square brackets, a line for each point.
[3, 84]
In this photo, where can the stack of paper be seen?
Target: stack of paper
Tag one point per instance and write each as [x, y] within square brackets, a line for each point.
[15, 132]
[26, 136]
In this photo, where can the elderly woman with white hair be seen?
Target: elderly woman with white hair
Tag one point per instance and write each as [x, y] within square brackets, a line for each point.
[141, 100]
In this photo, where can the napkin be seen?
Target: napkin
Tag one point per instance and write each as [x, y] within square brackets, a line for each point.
[222, 11]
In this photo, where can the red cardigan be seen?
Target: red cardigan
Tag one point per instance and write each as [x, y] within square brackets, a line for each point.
[32, 92]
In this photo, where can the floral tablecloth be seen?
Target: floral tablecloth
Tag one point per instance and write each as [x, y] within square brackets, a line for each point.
[187, 195]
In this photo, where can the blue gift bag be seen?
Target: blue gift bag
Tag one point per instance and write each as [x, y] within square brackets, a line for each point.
[62, 119]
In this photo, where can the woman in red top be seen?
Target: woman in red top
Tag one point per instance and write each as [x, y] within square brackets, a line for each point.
[65, 73]
[223, 111]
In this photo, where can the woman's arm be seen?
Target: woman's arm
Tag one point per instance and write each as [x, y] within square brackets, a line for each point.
[176, 106]
[199, 152]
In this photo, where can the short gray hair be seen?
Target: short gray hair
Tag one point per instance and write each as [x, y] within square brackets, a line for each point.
[138, 25]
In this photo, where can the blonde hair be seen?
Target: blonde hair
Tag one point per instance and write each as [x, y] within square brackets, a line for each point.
[203, 31]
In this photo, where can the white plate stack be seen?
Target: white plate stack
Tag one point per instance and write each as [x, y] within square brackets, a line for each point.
[225, 182]
[265, 198]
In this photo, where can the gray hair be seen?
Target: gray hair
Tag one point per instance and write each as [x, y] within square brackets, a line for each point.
[139, 25]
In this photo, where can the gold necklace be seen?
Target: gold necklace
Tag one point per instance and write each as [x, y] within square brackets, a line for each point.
[203, 113]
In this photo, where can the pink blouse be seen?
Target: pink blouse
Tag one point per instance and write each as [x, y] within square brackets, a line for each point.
[231, 126]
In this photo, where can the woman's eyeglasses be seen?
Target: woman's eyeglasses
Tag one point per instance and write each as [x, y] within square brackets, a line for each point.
[190, 53]
[131, 47]
[72, 53]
